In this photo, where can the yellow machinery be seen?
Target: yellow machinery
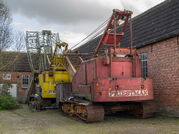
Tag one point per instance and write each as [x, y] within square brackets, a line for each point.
[56, 74]
[48, 80]
[48, 83]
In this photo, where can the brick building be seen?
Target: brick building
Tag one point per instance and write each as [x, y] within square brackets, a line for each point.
[156, 37]
[15, 70]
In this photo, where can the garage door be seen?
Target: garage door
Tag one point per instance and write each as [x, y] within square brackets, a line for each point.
[12, 90]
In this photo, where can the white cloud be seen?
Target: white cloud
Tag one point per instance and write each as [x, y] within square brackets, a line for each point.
[73, 19]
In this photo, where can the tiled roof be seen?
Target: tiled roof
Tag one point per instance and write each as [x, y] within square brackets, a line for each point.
[156, 24]
[15, 61]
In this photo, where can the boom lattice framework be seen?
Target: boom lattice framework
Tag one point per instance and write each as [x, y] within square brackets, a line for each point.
[40, 44]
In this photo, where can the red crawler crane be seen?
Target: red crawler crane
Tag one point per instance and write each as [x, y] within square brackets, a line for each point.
[112, 82]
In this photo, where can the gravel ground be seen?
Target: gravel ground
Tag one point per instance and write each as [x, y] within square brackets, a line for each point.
[22, 121]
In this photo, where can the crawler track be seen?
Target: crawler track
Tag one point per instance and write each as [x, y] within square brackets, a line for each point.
[145, 110]
[84, 111]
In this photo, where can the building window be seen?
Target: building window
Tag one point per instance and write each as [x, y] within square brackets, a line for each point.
[6, 76]
[25, 80]
[143, 58]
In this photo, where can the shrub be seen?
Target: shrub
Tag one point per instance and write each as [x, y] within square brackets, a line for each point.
[6, 100]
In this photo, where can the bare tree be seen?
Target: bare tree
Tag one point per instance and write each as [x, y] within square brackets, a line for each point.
[5, 21]
[18, 42]
[9, 41]
[5, 30]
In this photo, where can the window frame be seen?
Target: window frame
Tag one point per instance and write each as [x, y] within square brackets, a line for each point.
[26, 84]
[144, 68]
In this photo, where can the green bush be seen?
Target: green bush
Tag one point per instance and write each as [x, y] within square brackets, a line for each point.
[6, 100]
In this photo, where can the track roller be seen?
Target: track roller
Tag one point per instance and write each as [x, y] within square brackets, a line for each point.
[87, 113]
[145, 110]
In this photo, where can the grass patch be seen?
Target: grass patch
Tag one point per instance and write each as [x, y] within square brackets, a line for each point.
[22, 120]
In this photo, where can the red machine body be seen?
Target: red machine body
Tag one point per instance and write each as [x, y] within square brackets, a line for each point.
[116, 76]
[117, 80]
[113, 81]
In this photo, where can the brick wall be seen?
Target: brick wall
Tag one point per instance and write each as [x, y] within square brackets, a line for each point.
[16, 78]
[163, 68]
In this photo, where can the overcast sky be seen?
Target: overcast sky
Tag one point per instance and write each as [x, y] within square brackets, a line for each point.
[73, 19]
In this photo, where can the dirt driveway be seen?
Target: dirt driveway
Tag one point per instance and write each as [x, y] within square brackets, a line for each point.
[22, 121]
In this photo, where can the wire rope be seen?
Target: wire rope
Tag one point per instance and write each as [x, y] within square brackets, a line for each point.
[93, 34]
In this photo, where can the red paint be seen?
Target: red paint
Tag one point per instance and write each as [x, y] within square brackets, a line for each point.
[108, 39]
[93, 77]
[116, 76]
[114, 38]
[105, 86]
